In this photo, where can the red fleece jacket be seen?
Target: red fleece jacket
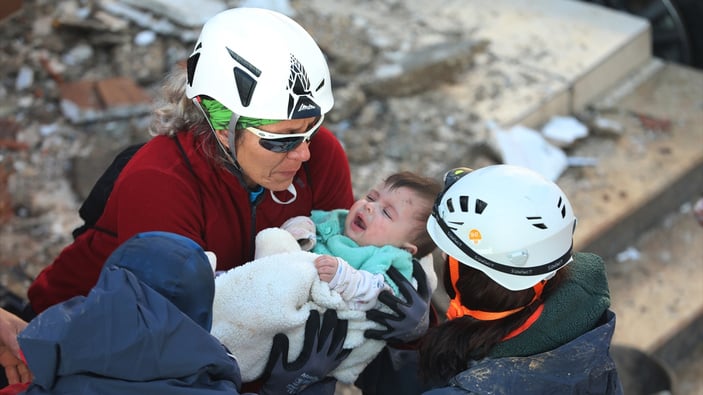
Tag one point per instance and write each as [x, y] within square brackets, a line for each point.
[157, 191]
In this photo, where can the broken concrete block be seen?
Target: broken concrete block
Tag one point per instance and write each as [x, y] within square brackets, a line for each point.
[424, 69]
[522, 146]
[8, 8]
[562, 131]
[88, 101]
[182, 12]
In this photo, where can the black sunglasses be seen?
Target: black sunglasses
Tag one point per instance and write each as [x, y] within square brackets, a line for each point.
[280, 143]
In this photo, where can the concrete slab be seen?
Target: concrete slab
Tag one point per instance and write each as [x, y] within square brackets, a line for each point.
[509, 94]
[660, 293]
[635, 51]
[586, 46]
[645, 173]
[583, 48]
[658, 298]
[557, 55]
[654, 169]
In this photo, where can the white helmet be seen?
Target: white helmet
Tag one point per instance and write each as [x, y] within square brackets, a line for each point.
[507, 221]
[260, 64]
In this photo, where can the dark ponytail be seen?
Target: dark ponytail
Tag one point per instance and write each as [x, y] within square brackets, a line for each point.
[449, 348]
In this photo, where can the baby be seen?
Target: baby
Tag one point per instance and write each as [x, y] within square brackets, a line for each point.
[357, 246]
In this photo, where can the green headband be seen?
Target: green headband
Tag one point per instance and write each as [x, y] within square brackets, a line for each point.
[220, 116]
[245, 122]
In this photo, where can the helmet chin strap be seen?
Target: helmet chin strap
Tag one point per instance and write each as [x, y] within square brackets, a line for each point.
[291, 189]
[231, 128]
[230, 135]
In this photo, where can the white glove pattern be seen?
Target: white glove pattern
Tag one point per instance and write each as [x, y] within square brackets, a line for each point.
[303, 230]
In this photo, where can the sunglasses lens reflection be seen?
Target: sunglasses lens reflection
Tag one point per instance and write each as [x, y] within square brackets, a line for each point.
[281, 145]
[284, 144]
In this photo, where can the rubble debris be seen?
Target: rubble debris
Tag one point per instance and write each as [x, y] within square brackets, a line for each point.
[9, 8]
[282, 6]
[5, 196]
[653, 123]
[605, 126]
[181, 12]
[698, 210]
[87, 101]
[563, 131]
[8, 136]
[629, 254]
[25, 78]
[526, 147]
[423, 69]
[581, 161]
[157, 23]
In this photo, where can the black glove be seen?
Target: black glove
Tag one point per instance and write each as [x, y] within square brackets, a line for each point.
[322, 353]
[412, 315]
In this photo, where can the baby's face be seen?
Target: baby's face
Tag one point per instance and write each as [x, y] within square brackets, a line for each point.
[384, 217]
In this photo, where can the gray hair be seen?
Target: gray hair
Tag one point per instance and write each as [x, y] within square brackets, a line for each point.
[176, 113]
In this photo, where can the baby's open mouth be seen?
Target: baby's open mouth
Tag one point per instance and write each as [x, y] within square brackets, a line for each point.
[358, 221]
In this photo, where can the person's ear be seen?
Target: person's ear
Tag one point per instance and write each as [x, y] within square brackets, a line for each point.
[222, 137]
[409, 247]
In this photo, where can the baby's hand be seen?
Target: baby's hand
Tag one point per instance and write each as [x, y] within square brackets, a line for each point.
[326, 266]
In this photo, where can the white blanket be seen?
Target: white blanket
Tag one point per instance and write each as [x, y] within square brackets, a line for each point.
[274, 294]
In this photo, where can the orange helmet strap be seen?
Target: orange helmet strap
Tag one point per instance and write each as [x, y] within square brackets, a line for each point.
[457, 310]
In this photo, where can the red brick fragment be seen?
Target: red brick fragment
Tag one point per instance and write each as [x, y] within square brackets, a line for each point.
[6, 212]
[121, 91]
[653, 123]
[8, 129]
[81, 93]
[9, 7]
[118, 97]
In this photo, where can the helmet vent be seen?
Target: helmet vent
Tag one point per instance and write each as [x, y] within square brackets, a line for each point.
[245, 86]
[560, 204]
[191, 65]
[245, 63]
[464, 203]
[480, 206]
[245, 82]
[455, 225]
[322, 83]
[538, 225]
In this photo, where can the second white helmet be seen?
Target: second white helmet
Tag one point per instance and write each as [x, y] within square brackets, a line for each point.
[260, 64]
[506, 221]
